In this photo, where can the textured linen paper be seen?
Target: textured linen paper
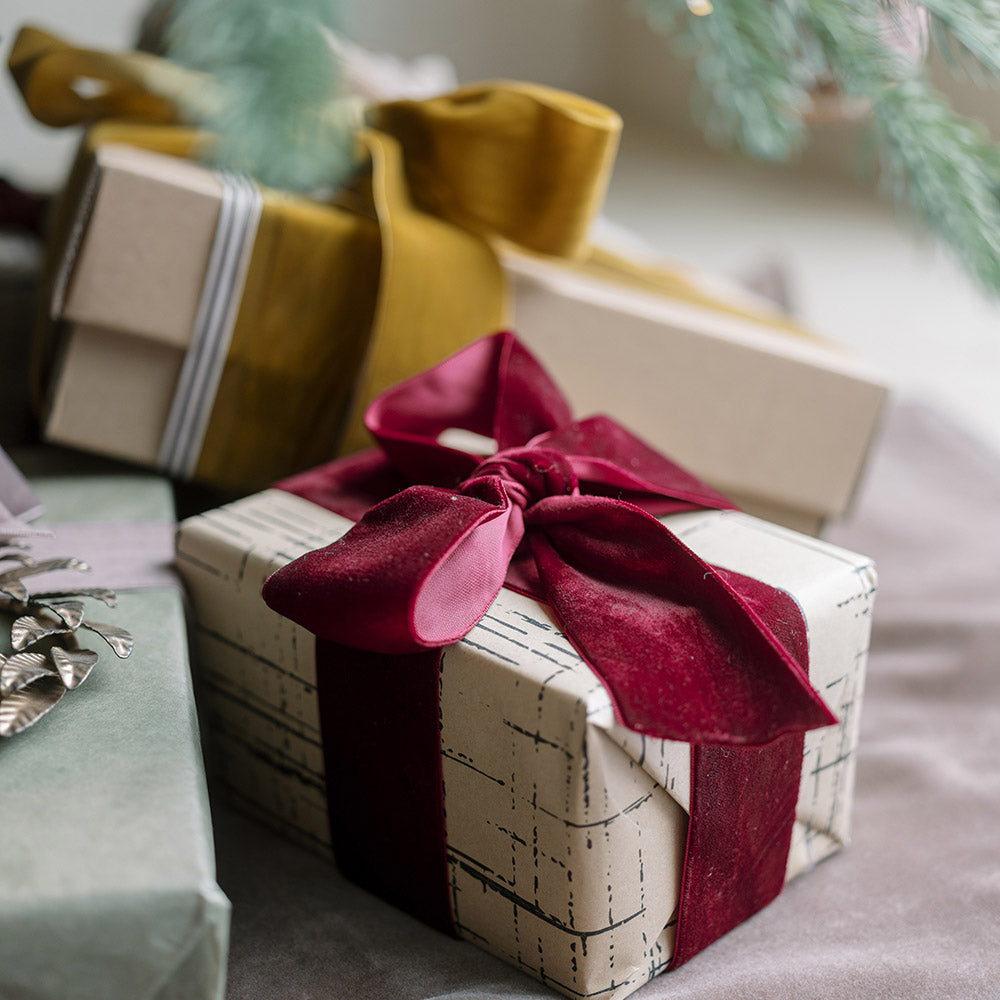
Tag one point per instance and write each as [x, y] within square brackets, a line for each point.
[565, 831]
[909, 912]
[107, 890]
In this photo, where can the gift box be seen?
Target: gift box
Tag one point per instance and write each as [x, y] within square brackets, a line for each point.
[777, 420]
[408, 266]
[109, 890]
[567, 828]
[265, 296]
[200, 346]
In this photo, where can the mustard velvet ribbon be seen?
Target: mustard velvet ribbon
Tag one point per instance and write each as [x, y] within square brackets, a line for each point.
[344, 299]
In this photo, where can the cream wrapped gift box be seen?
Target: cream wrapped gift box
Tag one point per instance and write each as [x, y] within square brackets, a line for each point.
[108, 889]
[532, 849]
[564, 827]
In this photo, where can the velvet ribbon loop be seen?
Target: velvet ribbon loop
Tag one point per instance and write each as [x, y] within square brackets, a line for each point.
[682, 647]
[521, 161]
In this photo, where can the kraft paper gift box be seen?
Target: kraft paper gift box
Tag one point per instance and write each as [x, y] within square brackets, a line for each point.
[781, 422]
[108, 890]
[315, 306]
[148, 280]
[468, 245]
[565, 829]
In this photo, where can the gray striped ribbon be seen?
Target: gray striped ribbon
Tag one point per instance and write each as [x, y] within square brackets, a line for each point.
[221, 293]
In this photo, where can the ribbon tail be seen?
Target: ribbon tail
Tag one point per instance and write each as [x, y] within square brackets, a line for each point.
[435, 277]
[681, 654]
[65, 85]
[417, 572]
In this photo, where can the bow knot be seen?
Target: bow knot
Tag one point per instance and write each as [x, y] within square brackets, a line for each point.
[527, 474]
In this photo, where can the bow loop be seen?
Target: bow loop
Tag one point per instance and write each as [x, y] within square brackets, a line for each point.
[493, 388]
[700, 665]
[65, 85]
[524, 162]
[614, 462]
[416, 572]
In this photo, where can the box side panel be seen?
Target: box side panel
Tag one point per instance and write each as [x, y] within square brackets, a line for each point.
[257, 669]
[111, 394]
[756, 413]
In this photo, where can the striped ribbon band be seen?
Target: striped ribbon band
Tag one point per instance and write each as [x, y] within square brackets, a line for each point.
[221, 293]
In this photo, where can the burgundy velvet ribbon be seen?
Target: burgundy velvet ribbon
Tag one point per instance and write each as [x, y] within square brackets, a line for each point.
[564, 511]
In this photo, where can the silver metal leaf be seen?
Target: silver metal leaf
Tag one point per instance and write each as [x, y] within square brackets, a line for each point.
[28, 629]
[71, 612]
[120, 641]
[22, 669]
[26, 706]
[102, 594]
[17, 555]
[14, 590]
[45, 566]
[74, 665]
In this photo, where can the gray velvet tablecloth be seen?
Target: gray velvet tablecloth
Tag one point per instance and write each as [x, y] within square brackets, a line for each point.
[911, 910]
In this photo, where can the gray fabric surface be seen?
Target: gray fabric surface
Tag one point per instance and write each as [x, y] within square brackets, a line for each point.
[911, 910]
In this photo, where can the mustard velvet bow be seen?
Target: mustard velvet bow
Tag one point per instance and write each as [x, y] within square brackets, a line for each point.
[445, 179]
[398, 272]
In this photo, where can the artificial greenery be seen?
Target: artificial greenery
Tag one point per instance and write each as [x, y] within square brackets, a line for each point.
[760, 65]
[274, 106]
[761, 62]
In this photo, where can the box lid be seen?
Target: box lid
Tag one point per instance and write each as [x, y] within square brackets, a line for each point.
[140, 245]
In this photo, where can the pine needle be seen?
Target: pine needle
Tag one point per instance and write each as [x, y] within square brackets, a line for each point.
[757, 63]
[277, 116]
[967, 32]
[948, 172]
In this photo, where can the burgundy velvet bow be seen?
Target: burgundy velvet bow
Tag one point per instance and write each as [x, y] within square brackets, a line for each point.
[563, 512]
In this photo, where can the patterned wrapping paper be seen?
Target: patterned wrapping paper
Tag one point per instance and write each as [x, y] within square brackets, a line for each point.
[565, 832]
[108, 887]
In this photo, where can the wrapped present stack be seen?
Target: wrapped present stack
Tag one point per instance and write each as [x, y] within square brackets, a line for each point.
[551, 685]
[212, 297]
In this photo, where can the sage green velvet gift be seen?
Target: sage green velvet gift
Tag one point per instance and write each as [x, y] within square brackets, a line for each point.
[107, 873]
